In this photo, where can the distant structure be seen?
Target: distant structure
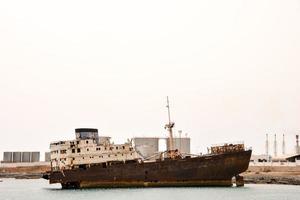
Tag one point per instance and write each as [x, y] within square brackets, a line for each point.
[287, 158]
[26, 156]
[283, 145]
[35, 156]
[19, 157]
[47, 156]
[146, 146]
[7, 157]
[275, 146]
[297, 148]
[183, 144]
[259, 158]
[267, 144]
[149, 146]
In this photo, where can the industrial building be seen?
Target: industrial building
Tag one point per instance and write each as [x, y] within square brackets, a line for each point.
[284, 157]
[149, 146]
[283, 146]
[287, 158]
[260, 158]
[146, 146]
[47, 156]
[19, 157]
[182, 144]
[293, 158]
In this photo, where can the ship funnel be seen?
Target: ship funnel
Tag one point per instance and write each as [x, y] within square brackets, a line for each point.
[86, 133]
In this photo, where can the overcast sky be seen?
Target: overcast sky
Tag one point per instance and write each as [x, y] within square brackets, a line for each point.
[230, 68]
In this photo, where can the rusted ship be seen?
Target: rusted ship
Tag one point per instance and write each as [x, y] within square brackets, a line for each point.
[91, 161]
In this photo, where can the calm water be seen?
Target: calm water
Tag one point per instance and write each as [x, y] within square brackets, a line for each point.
[40, 190]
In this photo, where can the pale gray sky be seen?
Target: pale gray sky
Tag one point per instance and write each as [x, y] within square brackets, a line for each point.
[231, 69]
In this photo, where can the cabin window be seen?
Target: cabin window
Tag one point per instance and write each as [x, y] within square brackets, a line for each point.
[73, 158]
[73, 150]
[78, 150]
[105, 148]
[87, 149]
[130, 149]
[111, 148]
[123, 147]
[77, 142]
[87, 141]
[117, 147]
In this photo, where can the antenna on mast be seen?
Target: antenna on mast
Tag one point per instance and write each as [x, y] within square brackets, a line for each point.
[168, 106]
[169, 126]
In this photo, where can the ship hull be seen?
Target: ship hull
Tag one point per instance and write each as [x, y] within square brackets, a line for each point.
[210, 170]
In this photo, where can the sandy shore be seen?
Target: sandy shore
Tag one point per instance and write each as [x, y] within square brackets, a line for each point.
[272, 178]
[273, 175]
[24, 172]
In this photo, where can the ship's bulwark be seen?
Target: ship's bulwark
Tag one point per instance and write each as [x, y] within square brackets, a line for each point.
[210, 170]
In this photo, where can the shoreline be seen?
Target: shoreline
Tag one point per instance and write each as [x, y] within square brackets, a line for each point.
[248, 178]
[284, 175]
[268, 174]
[32, 171]
[271, 179]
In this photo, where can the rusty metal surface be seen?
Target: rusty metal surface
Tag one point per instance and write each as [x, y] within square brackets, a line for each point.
[210, 170]
[227, 148]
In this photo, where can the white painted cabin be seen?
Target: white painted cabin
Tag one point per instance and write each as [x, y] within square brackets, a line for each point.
[88, 148]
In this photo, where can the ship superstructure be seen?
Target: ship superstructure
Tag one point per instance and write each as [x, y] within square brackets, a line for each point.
[87, 149]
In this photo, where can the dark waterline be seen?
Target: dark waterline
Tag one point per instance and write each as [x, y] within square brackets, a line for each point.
[12, 189]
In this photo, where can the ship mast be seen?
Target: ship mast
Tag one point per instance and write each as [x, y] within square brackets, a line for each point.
[169, 126]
